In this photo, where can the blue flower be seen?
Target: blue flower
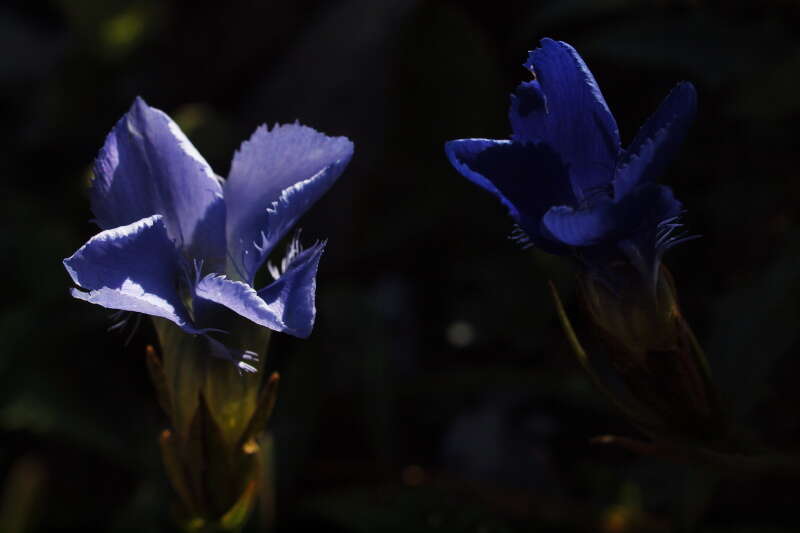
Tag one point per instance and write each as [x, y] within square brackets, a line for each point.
[183, 244]
[564, 176]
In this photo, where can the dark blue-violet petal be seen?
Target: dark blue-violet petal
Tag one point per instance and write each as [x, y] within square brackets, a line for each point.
[275, 177]
[605, 220]
[565, 108]
[528, 178]
[658, 140]
[527, 112]
[296, 289]
[583, 226]
[132, 268]
[648, 206]
[463, 153]
[286, 305]
[147, 166]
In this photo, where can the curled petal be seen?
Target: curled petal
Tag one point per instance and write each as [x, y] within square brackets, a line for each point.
[463, 155]
[275, 177]
[147, 166]
[131, 268]
[635, 217]
[527, 178]
[296, 288]
[582, 227]
[240, 298]
[286, 305]
[657, 141]
[565, 108]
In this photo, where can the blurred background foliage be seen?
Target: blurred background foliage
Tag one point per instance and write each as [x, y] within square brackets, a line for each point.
[437, 392]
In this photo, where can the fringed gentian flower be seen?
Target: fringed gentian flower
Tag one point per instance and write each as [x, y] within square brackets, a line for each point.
[563, 175]
[572, 189]
[183, 244]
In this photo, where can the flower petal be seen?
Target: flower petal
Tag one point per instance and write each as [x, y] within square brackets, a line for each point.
[296, 288]
[638, 215]
[238, 297]
[565, 108]
[528, 112]
[148, 166]
[286, 305]
[658, 140]
[275, 177]
[132, 268]
[463, 155]
[527, 178]
[582, 227]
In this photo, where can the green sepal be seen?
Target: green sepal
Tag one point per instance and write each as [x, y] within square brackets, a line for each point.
[159, 380]
[176, 472]
[266, 403]
[237, 515]
[636, 416]
[184, 361]
[232, 397]
[189, 371]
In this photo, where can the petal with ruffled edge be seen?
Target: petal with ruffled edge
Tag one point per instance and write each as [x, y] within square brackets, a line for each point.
[658, 140]
[565, 108]
[527, 178]
[638, 214]
[296, 288]
[275, 177]
[131, 268]
[286, 305]
[147, 166]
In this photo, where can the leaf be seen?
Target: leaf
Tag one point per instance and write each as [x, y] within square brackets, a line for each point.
[22, 490]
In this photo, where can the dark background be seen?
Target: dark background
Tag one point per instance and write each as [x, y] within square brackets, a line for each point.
[437, 392]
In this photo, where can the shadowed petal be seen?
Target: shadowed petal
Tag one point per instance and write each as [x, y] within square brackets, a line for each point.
[658, 140]
[565, 108]
[463, 155]
[238, 297]
[275, 177]
[527, 178]
[582, 227]
[148, 166]
[527, 112]
[638, 213]
[132, 268]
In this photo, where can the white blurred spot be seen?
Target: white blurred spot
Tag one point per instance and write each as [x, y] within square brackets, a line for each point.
[460, 334]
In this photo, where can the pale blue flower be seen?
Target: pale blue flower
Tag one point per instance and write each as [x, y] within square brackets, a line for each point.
[181, 243]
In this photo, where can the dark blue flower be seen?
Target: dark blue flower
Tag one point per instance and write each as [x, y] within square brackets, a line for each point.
[184, 244]
[564, 176]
